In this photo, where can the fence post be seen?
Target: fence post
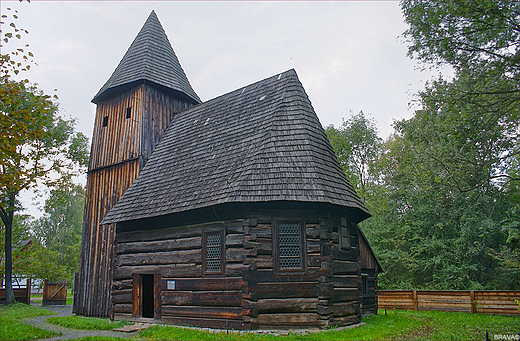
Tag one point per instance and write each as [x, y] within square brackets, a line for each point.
[473, 302]
[415, 302]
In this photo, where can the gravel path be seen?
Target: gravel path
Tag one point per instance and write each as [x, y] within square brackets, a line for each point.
[66, 333]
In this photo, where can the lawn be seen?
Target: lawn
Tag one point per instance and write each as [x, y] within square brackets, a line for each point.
[396, 325]
[11, 328]
[86, 323]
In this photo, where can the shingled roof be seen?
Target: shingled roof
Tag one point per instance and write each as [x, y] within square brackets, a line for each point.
[150, 58]
[260, 143]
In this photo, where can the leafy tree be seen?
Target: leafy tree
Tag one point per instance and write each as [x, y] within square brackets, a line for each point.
[357, 147]
[481, 37]
[60, 228]
[449, 172]
[445, 194]
[30, 257]
[35, 142]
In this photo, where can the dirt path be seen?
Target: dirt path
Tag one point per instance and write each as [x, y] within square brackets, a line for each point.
[39, 322]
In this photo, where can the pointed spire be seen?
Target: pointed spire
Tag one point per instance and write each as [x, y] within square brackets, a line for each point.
[151, 58]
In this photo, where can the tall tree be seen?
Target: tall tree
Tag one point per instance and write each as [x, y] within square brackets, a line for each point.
[34, 141]
[60, 227]
[449, 175]
[358, 146]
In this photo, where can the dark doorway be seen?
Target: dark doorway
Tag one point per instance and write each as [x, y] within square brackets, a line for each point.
[147, 298]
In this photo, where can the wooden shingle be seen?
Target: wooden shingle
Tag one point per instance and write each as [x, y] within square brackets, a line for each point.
[149, 58]
[259, 143]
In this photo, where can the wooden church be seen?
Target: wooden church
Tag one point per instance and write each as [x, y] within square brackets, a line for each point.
[231, 213]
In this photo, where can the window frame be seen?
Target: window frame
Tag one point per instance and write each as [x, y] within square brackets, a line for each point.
[344, 232]
[205, 235]
[276, 246]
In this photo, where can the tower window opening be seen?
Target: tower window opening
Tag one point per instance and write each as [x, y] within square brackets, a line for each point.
[128, 112]
[105, 121]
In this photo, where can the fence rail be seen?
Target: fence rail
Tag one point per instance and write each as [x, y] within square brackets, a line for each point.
[481, 301]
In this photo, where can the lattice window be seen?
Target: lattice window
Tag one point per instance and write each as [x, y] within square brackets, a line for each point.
[213, 252]
[289, 246]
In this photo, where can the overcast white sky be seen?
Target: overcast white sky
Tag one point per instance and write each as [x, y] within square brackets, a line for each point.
[348, 55]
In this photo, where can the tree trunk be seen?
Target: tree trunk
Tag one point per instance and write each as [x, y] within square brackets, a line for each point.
[7, 218]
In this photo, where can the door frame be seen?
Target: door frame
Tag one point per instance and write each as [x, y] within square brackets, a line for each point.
[137, 297]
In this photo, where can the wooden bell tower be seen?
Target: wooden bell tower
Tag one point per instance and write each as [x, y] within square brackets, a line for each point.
[134, 108]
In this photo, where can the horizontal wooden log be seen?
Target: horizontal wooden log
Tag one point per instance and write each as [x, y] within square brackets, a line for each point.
[123, 308]
[339, 267]
[314, 246]
[346, 281]
[124, 284]
[235, 255]
[171, 270]
[161, 245]
[205, 284]
[261, 231]
[207, 323]
[234, 240]
[160, 258]
[350, 255]
[287, 290]
[345, 309]
[185, 231]
[236, 269]
[287, 305]
[122, 296]
[181, 270]
[262, 246]
[315, 260]
[345, 295]
[262, 261]
[346, 320]
[203, 298]
[123, 316]
[232, 313]
[302, 319]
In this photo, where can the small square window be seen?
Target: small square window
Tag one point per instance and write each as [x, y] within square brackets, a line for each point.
[105, 121]
[128, 112]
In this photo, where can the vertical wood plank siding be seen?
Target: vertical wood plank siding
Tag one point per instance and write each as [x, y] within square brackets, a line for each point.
[119, 151]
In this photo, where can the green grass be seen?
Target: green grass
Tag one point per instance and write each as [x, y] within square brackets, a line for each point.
[86, 323]
[11, 328]
[397, 325]
[99, 338]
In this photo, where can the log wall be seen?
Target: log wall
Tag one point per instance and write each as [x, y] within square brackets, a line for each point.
[251, 293]
[346, 277]
[176, 255]
[119, 151]
[488, 302]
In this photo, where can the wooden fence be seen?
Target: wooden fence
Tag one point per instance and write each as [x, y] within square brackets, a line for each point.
[22, 291]
[54, 293]
[482, 301]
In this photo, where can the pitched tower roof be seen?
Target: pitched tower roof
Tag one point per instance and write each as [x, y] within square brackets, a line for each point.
[150, 58]
[260, 143]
